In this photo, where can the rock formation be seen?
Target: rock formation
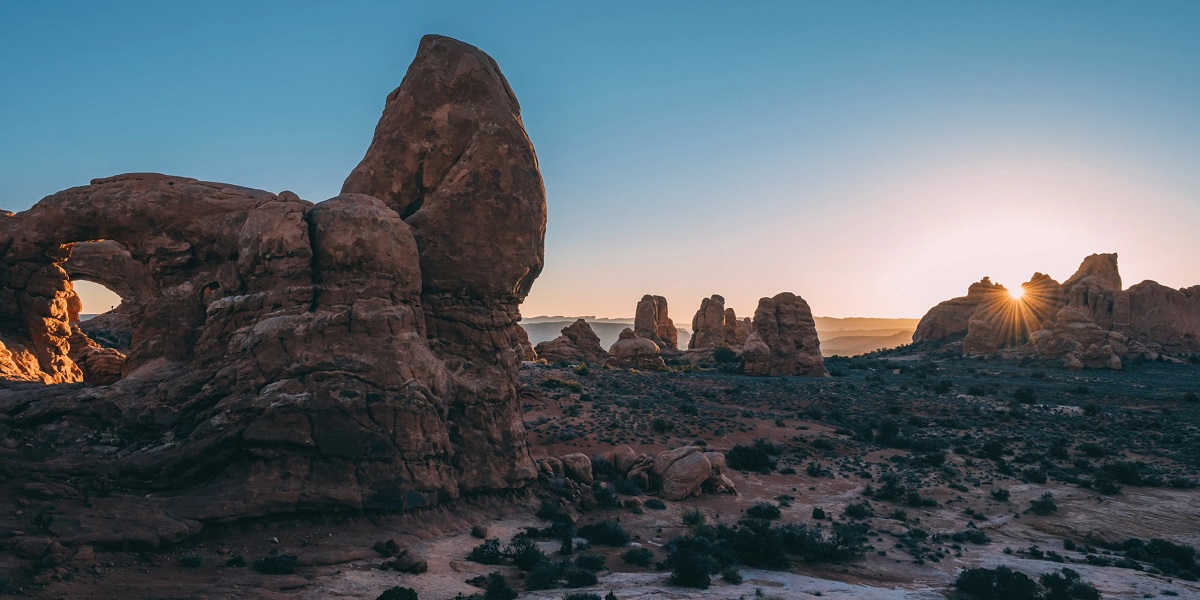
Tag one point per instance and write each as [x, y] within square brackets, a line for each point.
[633, 352]
[949, 319]
[784, 341]
[715, 326]
[651, 322]
[676, 474]
[358, 353]
[1087, 321]
[578, 343]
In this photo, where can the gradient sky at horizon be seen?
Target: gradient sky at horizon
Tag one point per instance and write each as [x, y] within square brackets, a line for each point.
[873, 157]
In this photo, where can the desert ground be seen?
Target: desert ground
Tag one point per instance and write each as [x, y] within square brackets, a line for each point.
[933, 465]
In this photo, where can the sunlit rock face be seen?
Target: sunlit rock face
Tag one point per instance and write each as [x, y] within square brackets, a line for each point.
[634, 352]
[651, 322]
[1087, 321]
[357, 353]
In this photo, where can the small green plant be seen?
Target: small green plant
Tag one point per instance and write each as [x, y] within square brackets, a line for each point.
[487, 553]
[1043, 505]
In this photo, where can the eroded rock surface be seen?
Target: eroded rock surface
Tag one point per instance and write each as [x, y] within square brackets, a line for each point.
[651, 322]
[633, 352]
[577, 343]
[784, 341]
[1087, 321]
[358, 353]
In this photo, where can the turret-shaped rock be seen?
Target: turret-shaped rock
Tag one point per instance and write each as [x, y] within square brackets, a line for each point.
[633, 352]
[715, 326]
[578, 343]
[784, 326]
[651, 322]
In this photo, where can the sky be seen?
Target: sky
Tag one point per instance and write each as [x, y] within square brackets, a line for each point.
[873, 157]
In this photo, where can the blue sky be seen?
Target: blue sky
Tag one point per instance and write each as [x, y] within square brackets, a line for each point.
[873, 157]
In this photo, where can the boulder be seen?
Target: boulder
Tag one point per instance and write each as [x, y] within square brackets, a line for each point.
[578, 343]
[651, 322]
[686, 476]
[577, 466]
[784, 325]
[633, 352]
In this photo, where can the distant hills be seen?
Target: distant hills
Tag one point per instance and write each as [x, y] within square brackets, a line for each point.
[845, 337]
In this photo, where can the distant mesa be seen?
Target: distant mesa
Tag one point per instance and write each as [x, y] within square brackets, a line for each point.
[1087, 321]
[272, 355]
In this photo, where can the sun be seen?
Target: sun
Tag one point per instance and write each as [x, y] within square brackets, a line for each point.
[1017, 293]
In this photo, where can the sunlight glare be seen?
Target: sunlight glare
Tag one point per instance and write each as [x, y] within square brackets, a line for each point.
[1017, 293]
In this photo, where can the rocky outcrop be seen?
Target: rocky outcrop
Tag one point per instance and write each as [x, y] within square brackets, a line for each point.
[708, 325]
[784, 326]
[651, 322]
[675, 474]
[358, 353]
[633, 352]
[715, 326]
[578, 343]
[949, 319]
[1088, 321]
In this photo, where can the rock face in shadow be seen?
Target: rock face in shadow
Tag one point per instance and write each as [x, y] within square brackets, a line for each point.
[949, 319]
[578, 343]
[651, 322]
[1087, 321]
[784, 341]
[715, 326]
[633, 352]
[358, 353]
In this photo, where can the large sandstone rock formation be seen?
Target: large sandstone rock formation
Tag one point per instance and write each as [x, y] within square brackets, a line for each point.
[784, 341]
[578, 343]
[715, 326]
[633, 352]
[358, 353]
[651, 322]
[1087, 321]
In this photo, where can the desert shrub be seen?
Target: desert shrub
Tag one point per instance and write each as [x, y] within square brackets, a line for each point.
[582, 368]
[749, 458]
[581, 596]
[590, 562]
[575, 577]
[731, 575]
[943, 386]
[693, 518]
[546, 575]
[277, 564]
[662, 425]
[605, 533]
[1067, 585]
[398, 593]
[999, 584]
[1043, 505]
[656, 504]
[859, 510]
[190, 561]
[725, 355]
[1000, 494]
[641, 557]
[818, 513]
[524, 553]
[497, 588]
[487, 553]
[1033, 475]
[972, 536]
[1025, 395]
[763, 510]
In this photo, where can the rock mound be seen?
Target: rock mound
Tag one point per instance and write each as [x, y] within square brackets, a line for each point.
[577, 343]
[633, 352]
